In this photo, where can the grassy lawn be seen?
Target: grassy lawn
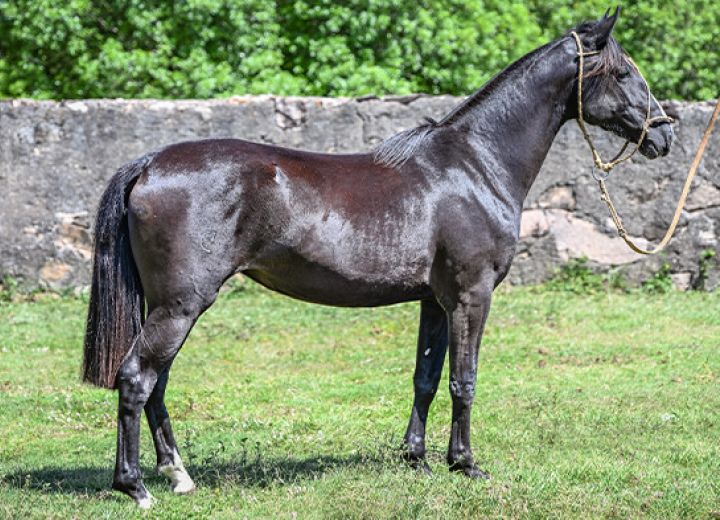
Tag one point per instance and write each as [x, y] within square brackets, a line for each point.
[588, 406]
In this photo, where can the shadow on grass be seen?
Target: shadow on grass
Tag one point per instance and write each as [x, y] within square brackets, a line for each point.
[263, 471]
[251, 468]
[60, 480]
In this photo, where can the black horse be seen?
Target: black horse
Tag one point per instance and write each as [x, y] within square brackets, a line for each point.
[433, 214]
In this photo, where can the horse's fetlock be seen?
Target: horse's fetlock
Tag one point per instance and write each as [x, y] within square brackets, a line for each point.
[414, 447]
[128, 482]
[459, 460]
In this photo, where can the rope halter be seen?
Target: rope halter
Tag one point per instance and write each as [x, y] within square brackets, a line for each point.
[606, 167]
[599, 165]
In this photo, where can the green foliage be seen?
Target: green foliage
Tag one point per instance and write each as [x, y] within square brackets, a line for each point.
[391, 46]
[215, 48]
[660, 283]
[576, 276]
[707, 262]
[111, 48]
[8, 289]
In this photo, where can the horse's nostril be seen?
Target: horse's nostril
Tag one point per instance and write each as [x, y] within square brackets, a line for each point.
[669, 137]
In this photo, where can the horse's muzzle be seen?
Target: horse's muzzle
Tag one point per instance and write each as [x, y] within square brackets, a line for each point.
[658, 141]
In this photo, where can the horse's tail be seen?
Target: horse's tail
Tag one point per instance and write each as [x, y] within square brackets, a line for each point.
[117, 302]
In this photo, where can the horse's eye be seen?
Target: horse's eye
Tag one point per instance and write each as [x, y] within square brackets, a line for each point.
[624, 73]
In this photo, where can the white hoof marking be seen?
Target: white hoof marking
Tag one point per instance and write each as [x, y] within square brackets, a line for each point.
[147, 502]
[181, 481]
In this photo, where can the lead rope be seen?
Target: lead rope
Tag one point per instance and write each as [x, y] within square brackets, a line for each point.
[606, 167]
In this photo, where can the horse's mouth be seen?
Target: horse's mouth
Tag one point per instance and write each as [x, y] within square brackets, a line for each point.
[619, 131]
[649, 147]
[658, 141]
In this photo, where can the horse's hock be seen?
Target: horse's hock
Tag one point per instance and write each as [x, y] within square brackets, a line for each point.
[56, 158]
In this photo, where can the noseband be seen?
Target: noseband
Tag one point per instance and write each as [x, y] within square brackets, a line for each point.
[599, 165]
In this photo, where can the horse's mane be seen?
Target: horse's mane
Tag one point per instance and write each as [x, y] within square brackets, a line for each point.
[396, 150]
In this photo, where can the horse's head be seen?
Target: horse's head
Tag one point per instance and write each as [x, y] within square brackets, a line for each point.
[615, 96]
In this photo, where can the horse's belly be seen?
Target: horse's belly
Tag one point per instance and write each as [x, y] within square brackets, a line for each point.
[344, 285]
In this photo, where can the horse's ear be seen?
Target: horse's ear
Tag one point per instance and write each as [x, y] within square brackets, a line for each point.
[598, 36]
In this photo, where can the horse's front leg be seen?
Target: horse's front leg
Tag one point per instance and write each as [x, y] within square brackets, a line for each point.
[431, 348]
[467, 322]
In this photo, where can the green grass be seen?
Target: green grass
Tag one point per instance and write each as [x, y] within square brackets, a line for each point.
[588, 406]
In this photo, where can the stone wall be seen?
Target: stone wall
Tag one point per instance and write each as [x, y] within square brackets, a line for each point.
[55, 159]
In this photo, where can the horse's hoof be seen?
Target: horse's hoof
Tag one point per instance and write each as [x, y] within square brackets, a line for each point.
[476, 473]
[416, 462]
[146, 502]
[135, 490]
[471, 471]
[421, 466]
[181, 484]
[183, 488]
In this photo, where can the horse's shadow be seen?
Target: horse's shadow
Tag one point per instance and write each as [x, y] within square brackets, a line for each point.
[254, 470]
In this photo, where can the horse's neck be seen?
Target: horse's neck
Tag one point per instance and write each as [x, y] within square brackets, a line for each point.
[512, 128]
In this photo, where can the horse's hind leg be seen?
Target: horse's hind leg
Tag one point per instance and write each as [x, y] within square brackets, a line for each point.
[163, 334]
[431, 348]
[169, 462]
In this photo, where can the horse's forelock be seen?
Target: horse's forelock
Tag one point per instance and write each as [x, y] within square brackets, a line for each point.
[610, 61]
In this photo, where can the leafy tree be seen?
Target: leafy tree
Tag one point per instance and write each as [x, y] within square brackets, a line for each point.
[134, 48]
[677, 46]
[373, 46]
[212, 48]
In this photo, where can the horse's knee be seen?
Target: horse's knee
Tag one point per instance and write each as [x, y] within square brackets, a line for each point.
[425, 389]
[463, 390]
